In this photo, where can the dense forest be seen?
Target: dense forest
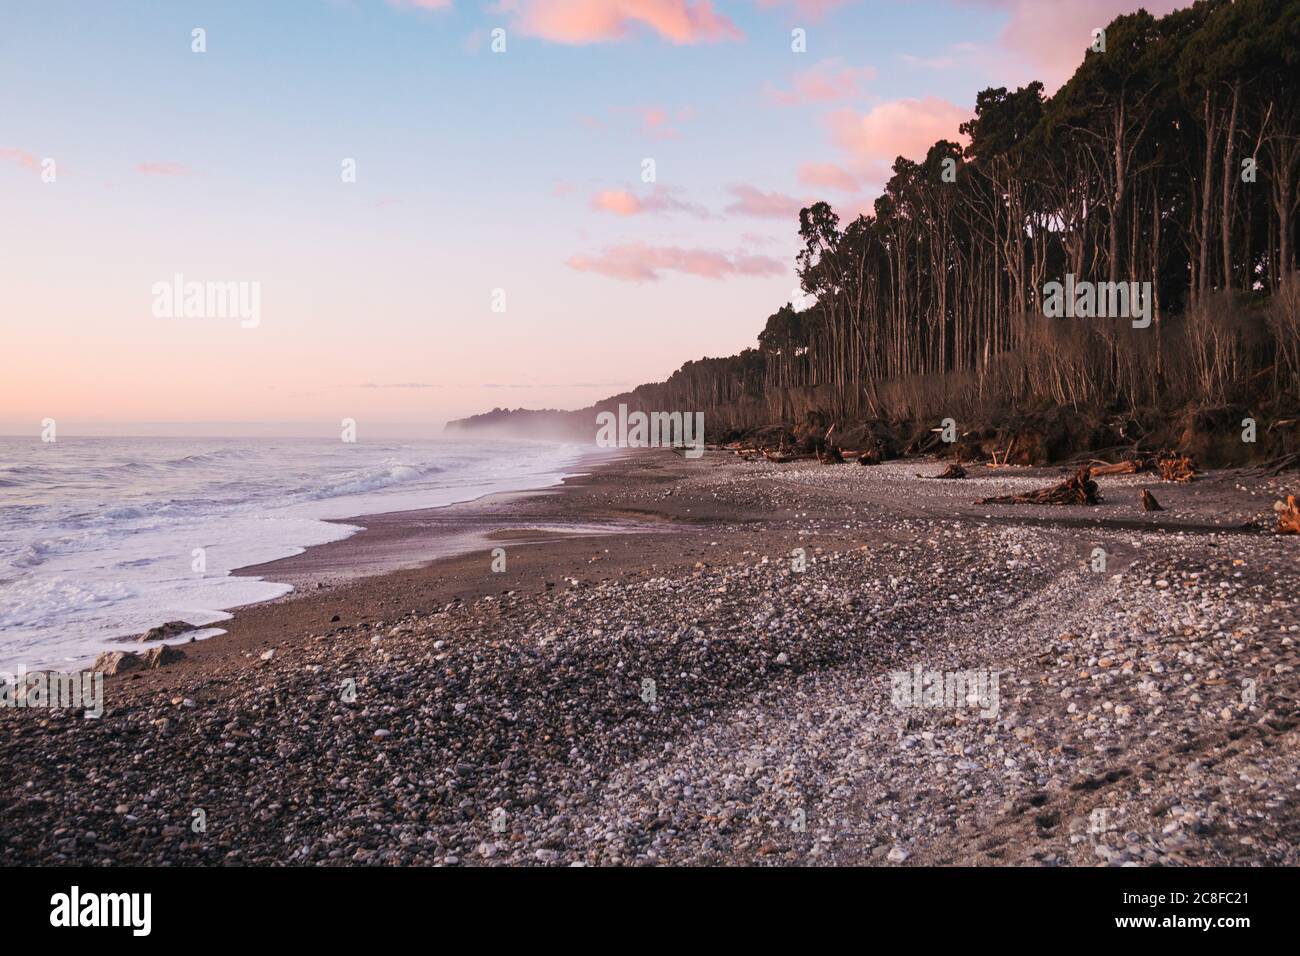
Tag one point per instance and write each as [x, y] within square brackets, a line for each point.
[1170, 158]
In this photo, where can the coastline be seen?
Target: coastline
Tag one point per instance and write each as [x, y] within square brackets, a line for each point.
[1121, 691]
[422, 557]
[170, 530]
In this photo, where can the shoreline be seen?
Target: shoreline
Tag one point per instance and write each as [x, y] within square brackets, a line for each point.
[1121, 692]
[401, 540]
[394, 553]
[288, 572]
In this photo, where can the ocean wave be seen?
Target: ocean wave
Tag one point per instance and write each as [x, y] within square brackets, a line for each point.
[97, 538]
[210, 457]
[371, 479]
[33, 603]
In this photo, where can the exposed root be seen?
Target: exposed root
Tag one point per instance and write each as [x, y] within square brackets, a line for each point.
[1078, 490]
[1288, 516]
[1175, 467]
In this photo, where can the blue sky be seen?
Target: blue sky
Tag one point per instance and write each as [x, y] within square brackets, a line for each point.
[476, 171]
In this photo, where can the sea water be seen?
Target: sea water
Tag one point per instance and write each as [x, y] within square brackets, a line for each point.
[106, 537]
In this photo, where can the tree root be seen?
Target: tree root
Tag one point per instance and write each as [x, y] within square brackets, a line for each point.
[1078, 490]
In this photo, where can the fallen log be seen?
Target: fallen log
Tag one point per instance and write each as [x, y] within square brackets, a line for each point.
[1279, 465]
[952, 471]
[1129, 467]
[1288, 516]
[1175, 467]
[1077, 490]
[1149, 502]
[780, 457]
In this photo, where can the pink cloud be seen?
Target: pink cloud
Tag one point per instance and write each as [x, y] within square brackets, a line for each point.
[163, 169]
[21, 158]
[825, 82]
[897, 128]
[655, 122]
[662, 199]
[658, 122]
[596, 21]
[618, 201]
[637, 262]
[754, 202]
[828, 176]
[1049, 39]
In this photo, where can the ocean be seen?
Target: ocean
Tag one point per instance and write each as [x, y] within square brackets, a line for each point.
[102, 538]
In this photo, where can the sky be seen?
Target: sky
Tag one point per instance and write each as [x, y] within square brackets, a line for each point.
[438, 207]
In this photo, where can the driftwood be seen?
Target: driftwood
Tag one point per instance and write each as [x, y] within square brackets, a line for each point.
[1288, 516]
[1279, 465]
[1149, 502]
[952, 471]
[1078, 490]
[1006, 455]
[1129, 467]
[1175, 467]
[780, 457]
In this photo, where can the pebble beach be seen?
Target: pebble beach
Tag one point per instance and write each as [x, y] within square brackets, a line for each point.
[703, 667]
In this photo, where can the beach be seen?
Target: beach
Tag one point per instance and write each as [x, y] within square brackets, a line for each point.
[717, 661]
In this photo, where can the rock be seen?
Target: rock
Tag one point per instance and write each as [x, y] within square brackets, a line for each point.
[897, 855]
[164, 631]
[157, 657]
[268, 655]
[117, 662]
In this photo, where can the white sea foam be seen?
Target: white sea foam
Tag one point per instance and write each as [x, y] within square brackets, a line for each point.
[97, 535]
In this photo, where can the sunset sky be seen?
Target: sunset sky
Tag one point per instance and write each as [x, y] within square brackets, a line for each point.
[475, 171]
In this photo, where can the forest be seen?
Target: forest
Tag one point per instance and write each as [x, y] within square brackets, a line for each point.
[1170, 158]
